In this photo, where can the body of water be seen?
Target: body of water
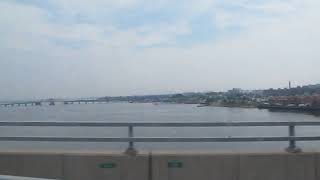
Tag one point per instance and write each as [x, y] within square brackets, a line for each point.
[132, 112]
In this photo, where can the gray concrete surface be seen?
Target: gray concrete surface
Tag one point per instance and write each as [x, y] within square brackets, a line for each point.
[31, 165]
[87, 167]
[183, 166]
[200, 167]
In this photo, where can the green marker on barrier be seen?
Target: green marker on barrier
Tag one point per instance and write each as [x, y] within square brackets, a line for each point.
[175, 164]
[107, 165]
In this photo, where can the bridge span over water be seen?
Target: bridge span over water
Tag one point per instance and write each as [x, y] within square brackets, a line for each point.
[52, 102]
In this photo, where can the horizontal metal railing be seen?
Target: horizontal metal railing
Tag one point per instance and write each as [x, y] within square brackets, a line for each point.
[291, 138]
[157, 124]
[5, 177]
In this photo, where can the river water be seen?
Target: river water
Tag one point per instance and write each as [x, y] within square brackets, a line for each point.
[136, 112]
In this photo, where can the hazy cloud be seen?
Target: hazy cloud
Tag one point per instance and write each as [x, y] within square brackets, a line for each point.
[94, 48]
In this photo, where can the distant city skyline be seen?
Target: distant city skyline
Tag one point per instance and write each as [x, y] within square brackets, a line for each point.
[79, 48]
[172, 93]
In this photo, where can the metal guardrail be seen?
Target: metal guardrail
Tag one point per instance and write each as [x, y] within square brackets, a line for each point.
[4, 177]
[291, 138]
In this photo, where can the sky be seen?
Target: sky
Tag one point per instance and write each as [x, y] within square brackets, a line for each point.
[82, 48]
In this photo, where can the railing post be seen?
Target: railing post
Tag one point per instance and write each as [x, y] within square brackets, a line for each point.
[131, 150]
[292, 143]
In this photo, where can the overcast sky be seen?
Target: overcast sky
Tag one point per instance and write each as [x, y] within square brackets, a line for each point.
[80, 48]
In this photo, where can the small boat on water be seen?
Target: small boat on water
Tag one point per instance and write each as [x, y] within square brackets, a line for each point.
[202, 105]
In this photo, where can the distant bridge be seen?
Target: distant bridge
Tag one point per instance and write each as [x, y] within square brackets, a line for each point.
[53, 102]
[85, 101]
[29, 103]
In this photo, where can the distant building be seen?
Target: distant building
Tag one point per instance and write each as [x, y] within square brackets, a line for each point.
[238, 91]
[289, 84]
[257, 92]
[235, 91]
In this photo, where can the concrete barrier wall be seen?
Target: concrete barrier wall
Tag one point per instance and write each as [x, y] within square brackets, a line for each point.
[272, 166]
[195, 167]
[278, 167]
[75, 166]
[31, 165]
[238, 167]
[113, 167]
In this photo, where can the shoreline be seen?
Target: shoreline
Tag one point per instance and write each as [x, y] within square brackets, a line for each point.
[246, 106]
[235, 106]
